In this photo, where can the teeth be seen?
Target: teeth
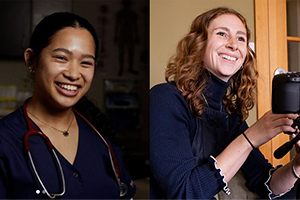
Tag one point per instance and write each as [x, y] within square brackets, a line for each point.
[68, 87]
[228, 57]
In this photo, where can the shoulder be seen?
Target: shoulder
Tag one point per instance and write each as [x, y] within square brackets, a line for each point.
[163, 88]
[167, 95]
[169, 107]
[12, 130]
[13, 126]
[12, 122]
[166, 92]
[15, 114]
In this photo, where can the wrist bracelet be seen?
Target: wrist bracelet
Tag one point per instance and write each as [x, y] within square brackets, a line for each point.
[249, 141]
[294, 171]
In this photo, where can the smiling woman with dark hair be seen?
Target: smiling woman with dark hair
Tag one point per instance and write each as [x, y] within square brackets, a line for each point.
[49, 147]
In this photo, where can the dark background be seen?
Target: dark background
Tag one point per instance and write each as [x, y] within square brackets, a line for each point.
[123, 95]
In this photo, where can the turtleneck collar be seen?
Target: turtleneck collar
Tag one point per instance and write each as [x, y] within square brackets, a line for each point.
[215, 91]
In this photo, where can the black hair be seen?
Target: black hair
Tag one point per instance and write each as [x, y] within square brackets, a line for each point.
[97, 118]
[51, 24]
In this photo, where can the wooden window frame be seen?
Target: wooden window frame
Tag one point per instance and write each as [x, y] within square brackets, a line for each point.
[271, 49]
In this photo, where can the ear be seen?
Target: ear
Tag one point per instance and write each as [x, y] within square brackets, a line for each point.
[29, 57]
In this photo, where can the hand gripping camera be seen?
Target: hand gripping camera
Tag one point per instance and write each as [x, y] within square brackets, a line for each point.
[286, 99]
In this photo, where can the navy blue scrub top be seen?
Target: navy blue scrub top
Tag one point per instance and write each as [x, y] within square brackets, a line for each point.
[91, 175]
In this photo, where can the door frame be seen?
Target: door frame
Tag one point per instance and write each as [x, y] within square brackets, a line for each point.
[271, 50]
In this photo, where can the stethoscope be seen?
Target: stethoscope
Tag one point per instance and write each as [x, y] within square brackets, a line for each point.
[32, 131]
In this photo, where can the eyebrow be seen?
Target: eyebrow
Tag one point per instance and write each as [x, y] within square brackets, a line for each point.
[71, 53]
[228, 30]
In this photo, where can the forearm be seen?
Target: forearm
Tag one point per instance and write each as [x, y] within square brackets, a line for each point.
[233, 157]
[283, 178]
[267, 127]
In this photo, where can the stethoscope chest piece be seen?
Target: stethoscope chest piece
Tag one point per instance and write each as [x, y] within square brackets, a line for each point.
[123, 189]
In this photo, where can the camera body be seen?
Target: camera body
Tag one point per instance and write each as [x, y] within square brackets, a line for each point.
[286, 99]
[286, 93]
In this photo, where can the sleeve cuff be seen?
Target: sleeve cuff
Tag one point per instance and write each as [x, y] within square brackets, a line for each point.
[218, 173]
[267, 184]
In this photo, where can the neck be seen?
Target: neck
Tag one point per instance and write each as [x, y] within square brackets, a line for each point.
[48, 113]
[216, 91]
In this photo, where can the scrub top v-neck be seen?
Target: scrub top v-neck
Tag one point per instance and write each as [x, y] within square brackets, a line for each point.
[90, 176]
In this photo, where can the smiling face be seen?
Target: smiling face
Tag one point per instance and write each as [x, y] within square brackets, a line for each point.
[226, 46]
[65, 68]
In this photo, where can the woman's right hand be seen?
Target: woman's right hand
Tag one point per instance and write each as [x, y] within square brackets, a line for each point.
[268, 126]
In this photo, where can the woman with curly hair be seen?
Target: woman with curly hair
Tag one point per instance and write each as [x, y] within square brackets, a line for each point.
[199, 138]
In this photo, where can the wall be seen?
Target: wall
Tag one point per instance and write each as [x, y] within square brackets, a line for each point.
[102, 15]
[170, 21]
[14, 72]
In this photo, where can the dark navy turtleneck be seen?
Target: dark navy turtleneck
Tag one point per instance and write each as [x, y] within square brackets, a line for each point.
[179, 170]
[216, 90]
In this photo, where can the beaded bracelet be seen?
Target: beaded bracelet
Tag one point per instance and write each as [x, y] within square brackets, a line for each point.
[248, 140]
[294, 171]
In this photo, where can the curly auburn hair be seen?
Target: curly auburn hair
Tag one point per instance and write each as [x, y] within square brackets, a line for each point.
[187, 70]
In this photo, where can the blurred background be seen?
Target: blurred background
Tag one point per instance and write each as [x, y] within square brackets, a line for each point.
[121, 84]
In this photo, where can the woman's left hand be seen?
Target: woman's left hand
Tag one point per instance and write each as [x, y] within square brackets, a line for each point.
[297, 148]
[297, 145]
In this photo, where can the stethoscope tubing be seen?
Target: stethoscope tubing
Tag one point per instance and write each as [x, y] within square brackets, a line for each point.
[33, 131]
[52, 196]
[113, 159]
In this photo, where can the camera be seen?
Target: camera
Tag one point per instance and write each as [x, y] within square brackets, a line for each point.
[286, 99]
[286, 92]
